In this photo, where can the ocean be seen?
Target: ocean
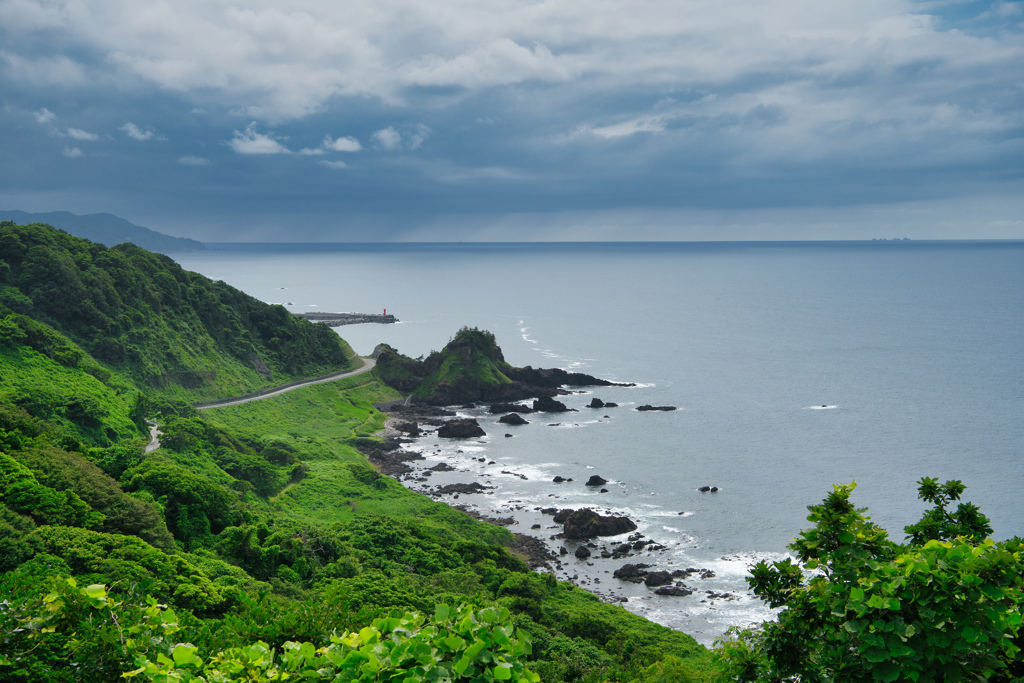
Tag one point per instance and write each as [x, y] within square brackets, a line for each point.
[793, 365]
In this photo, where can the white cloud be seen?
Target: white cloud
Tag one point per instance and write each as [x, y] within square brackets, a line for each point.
[626, 128]
[1008, 9]
[251, 142]
[419, 137]
[336, 165]
[307, 151]
[44, 115]
[388, 138]
[346, 144]
[84, 136]
[72, 152]
[189, 160]
[136, 133]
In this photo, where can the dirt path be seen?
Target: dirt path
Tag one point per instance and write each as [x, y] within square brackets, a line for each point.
[368, 364]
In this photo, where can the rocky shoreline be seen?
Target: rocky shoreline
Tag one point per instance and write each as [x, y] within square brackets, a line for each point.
[592, 547]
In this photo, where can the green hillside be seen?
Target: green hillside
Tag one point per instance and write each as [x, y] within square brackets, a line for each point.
[168, 329]
[252, 525]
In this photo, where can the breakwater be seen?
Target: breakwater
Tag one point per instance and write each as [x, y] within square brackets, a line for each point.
[339, 319]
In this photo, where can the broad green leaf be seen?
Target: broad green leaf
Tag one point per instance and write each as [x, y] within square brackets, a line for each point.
[96, 590]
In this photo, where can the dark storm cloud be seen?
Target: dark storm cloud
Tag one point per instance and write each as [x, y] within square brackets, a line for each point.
[559, 119]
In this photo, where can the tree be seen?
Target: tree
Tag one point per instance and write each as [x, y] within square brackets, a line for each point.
[859, 607]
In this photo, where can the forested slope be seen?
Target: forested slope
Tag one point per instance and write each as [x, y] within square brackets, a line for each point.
[165, 327]
[253, 525]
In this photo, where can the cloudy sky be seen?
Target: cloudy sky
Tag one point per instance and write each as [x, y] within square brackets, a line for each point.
[375, 120]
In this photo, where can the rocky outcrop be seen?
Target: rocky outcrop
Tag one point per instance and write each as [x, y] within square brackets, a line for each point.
[650, 407]
[676, 591]
[582, 552]
[499, 408]
[595, 480]
[562, 515]
[556, 377]
[461, 429]
[546, 404]
[586, 523]
[634, 573]
[657, 579]
[410, 428]
[596, 403]
[513, 419]
[474, 487]
[471, 367]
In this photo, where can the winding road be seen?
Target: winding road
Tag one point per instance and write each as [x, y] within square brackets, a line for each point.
[368, 364]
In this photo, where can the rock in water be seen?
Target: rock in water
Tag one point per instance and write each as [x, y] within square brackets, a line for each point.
[650, 407]
[657, 579]
[513, 419]
[461, 429]
[586, 523]
[562, 515]
[546, 404]
[633, 573]
[582, 552]
[596, 481]
[674, 591]
[596, 403]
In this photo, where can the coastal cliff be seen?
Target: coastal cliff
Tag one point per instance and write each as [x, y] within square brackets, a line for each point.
[470, 368]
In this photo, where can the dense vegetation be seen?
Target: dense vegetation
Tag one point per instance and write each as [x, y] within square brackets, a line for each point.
[162, 326]
[257, 541]
[945, 606]
[471, 362]
[257, 544]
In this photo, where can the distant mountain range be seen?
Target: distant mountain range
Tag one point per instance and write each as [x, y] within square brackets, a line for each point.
[107, 229]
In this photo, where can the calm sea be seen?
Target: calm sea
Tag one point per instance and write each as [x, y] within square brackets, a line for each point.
[794, 366]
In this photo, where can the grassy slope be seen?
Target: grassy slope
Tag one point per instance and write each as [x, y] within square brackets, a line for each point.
[269, 495]
[170, 330]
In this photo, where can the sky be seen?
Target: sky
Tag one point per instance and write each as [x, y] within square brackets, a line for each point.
[508, 120]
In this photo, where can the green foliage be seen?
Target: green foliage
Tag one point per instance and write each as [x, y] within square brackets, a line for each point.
[21, 493]
[139, 312]
[471, 361]
[873, 610]
[458, 644]
[941, 524]
[195, 507]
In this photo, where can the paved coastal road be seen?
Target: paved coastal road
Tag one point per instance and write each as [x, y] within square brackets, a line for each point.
[368, 364]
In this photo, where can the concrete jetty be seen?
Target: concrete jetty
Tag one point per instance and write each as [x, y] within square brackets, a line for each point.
[339, 319]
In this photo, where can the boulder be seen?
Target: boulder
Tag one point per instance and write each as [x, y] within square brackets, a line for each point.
[562, 515]
[596, 481]
[499, 408]
[596, 403]
[586, 523]
[558, 479]
[633, 573]
[410, 428]
[582, 552]
[609, 404]
[461, 429]
[513, 419]
[474, 487]
[650, 407]
[657, 579]
[546, 404]
[677, 591]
